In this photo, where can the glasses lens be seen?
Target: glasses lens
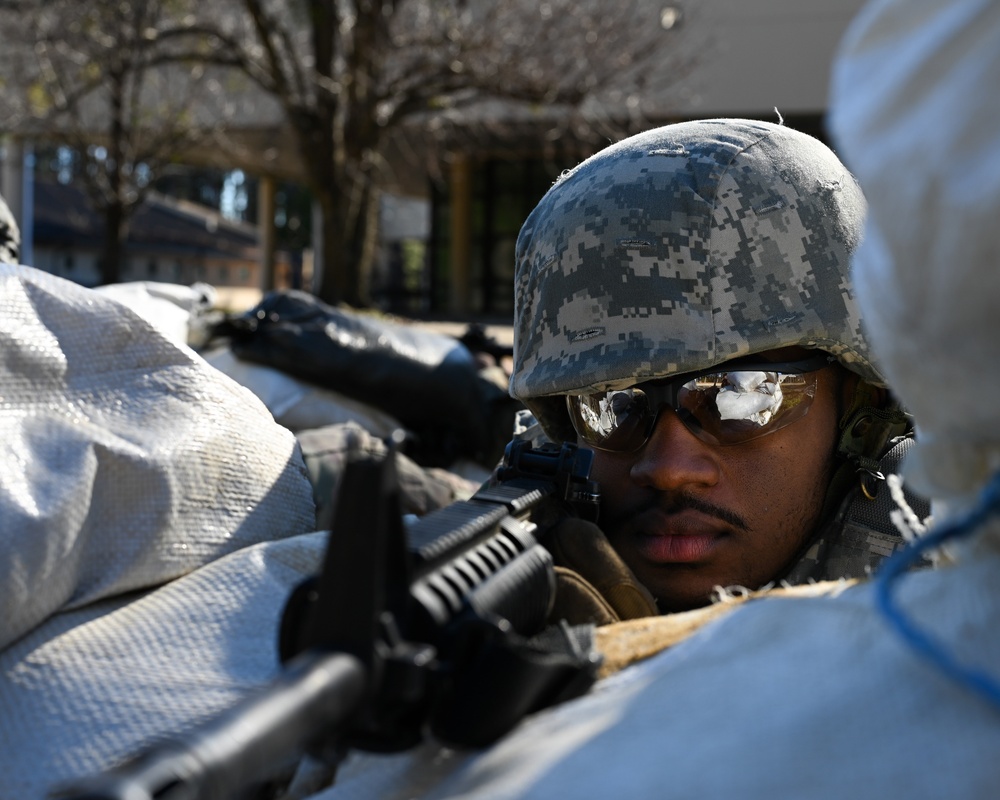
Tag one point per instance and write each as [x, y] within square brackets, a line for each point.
[734, 407]
[615, 420]
[719, 408]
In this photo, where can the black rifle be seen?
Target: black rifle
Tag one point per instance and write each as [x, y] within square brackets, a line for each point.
[438, 628]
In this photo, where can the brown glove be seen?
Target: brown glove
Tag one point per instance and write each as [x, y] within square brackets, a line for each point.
[593, 585]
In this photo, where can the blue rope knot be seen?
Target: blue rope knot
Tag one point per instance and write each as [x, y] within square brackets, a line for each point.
[919, 640]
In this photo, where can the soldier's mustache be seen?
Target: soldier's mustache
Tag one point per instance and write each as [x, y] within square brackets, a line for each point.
[672, 503]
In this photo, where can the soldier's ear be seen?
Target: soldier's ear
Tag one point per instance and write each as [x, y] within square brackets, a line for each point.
[848, 386]
[856, 393]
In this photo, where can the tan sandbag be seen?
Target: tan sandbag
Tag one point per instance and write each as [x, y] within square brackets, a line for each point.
[626, 642]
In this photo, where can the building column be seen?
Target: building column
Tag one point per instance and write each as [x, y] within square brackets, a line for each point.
[460, 245]
[266, 191]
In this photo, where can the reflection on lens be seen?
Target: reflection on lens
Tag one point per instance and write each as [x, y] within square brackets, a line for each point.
[752, 396]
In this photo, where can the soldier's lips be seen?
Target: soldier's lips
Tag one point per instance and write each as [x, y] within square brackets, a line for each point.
[676, 549]
[683, 537]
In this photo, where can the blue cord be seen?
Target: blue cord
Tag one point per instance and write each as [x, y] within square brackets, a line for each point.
[921, 642]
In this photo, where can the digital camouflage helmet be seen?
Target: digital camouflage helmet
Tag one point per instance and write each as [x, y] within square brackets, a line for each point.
[681, 248]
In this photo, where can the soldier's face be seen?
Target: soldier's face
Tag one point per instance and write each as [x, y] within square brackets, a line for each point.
[687, 516]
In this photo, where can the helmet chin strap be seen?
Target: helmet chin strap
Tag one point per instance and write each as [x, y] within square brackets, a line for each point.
[867, 425]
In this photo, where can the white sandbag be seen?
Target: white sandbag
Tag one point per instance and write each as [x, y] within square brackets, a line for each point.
[89, 688]
[916, 112]
[168, 307]
[296, 404]
[129, 461]
[811, 698]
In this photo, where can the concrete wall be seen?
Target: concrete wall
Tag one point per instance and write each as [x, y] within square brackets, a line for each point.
[747, 57]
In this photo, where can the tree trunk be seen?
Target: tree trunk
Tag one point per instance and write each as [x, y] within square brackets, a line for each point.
[350, 237]
[115, 214]
[115, 229]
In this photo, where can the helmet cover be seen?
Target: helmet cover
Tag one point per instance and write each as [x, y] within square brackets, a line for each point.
[680, 248]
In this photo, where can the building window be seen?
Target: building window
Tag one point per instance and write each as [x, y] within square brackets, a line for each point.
[502, 195]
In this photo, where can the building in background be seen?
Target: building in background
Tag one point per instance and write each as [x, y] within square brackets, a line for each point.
[169, 240]
[448, 233]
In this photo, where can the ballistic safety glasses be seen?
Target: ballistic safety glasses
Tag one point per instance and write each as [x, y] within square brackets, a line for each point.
[747, 400]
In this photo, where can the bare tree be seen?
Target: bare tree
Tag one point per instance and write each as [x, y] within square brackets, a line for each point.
[96, 76]
[351, 73]
[351, 76]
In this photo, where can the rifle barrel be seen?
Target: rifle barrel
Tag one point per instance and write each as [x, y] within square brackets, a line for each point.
[316, 691]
